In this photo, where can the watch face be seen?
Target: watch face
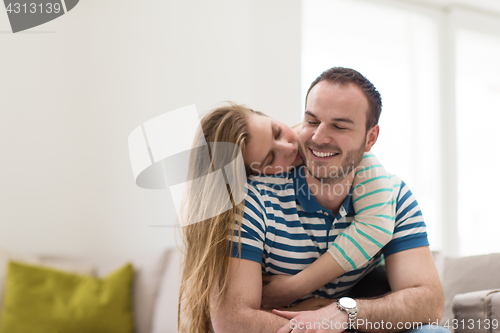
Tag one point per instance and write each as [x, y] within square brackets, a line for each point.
[347, 302]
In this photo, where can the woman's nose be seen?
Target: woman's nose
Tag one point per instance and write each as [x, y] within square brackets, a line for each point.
[287, 148]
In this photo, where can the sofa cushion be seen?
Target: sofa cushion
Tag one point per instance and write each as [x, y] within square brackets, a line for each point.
[495, 312]
[467, 274]
[148, 275]
[43, 300]
[148, 270]
[473, 311]
[61, 264]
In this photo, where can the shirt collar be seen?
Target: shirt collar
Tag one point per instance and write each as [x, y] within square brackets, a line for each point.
[307, 200]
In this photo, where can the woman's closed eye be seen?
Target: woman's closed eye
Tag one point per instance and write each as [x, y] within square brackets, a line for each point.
[272, 159]
[277, 133]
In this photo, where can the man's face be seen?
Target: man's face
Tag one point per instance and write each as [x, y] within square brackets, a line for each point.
[333, 136]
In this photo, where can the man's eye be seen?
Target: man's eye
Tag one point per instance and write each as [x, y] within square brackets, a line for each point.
[340, 128]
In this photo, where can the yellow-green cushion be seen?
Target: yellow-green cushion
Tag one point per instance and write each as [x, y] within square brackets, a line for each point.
[43, 300]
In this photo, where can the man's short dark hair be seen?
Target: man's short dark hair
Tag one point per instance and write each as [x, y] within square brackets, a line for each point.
[342, 76]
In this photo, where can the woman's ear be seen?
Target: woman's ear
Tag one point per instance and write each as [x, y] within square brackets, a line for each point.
[371, 137]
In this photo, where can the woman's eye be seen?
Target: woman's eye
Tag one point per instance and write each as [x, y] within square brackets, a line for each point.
[312, 122]
[278, 133]
[272, 160]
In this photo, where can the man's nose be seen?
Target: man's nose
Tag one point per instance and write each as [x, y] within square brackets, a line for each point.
[322, 135]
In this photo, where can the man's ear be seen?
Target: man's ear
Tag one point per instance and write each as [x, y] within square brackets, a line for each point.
[371, 137]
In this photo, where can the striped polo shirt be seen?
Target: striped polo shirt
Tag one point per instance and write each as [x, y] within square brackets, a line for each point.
[285, 229]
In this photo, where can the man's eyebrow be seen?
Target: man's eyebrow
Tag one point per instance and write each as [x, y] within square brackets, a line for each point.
[345, 120]
[265, 158]
[311, 114]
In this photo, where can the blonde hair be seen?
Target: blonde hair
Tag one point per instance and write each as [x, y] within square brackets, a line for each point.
[207, 243]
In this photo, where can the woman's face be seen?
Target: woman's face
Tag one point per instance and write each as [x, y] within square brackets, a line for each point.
[273, 146]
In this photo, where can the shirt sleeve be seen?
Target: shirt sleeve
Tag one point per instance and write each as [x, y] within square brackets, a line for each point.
[410, 230]
[374, 201]
[253, 228]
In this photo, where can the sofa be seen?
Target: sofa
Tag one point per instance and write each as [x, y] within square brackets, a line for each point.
[471, 287]
[155, 286]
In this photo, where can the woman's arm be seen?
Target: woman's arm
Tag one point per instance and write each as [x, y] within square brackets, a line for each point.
[239, 310]
[374, 193]
[286, 289]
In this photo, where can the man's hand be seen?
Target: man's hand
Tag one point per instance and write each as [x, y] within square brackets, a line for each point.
[281, 290]
[329, 319]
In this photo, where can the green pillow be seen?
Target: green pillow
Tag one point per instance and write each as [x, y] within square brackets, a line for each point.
[43, 300]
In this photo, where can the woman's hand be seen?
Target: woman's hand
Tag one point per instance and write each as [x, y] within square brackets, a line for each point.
[326, 320]
[281, 290]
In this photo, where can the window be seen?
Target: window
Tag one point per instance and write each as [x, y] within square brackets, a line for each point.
[438, 72]
[397, 49]
[478, 120]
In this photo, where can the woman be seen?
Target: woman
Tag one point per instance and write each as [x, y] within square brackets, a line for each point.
[272, 149]
[206, 244]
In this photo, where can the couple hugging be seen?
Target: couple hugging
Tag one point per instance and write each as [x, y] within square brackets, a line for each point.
[321, 213]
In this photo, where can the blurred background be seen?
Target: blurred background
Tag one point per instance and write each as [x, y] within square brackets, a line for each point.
[73, 89]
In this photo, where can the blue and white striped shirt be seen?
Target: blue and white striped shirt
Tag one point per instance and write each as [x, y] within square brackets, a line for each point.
[285, 228]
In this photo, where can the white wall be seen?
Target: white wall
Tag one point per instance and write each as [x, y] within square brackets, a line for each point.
[73, 89]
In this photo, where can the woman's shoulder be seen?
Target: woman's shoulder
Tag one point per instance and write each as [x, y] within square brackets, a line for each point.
[281, 178]
[270, 184]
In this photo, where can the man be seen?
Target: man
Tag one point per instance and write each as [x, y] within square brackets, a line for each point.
[290, 221]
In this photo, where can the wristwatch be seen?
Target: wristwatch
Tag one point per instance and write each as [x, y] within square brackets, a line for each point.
[349, 305]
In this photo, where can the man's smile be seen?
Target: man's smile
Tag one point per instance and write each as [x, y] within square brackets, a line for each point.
[323, 155]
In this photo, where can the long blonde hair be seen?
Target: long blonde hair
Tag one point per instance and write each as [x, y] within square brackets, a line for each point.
[207, 244]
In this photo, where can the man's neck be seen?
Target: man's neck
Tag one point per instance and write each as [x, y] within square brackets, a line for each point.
[330, 195]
